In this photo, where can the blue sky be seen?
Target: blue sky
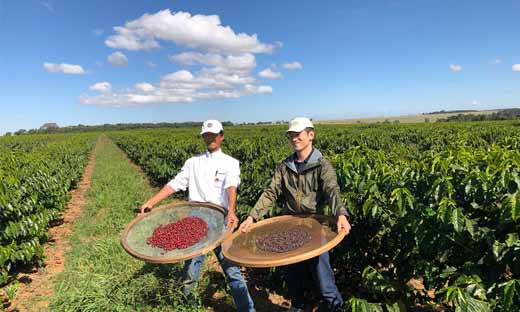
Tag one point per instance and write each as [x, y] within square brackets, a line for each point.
[96, 62]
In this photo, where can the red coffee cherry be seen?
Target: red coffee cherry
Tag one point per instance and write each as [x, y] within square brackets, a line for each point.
[180, 234]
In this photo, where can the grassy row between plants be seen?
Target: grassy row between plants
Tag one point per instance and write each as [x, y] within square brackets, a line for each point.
[99, 275]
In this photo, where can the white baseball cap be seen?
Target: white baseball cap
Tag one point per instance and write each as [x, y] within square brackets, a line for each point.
[213, 126]
[299, 124]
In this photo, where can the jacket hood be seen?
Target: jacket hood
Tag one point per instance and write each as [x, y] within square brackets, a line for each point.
[313, 161]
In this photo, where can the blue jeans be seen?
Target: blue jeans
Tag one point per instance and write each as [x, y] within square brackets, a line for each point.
[321, 275]
[236, 281]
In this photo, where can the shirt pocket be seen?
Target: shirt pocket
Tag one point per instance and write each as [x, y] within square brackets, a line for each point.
[218, 180]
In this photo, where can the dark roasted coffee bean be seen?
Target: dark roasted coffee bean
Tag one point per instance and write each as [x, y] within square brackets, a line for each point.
[283, 241]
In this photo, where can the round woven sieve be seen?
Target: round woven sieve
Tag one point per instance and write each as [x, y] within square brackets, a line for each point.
[138, 230]
[241, 247]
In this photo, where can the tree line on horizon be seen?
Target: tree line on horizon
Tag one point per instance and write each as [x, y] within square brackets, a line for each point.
[54, 128]
[504, 114]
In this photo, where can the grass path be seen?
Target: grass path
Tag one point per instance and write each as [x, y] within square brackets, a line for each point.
[99, 275]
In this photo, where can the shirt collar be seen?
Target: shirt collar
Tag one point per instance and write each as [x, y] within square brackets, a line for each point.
[214, 154]
[306, 159]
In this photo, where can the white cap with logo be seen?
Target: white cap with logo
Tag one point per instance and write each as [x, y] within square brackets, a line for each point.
[299, 124]
[213, 126]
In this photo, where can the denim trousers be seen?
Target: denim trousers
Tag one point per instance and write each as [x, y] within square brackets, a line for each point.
[321, 275]
[236, 281]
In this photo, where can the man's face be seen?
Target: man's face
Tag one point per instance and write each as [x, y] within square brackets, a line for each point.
[300, 140]
[212, 140]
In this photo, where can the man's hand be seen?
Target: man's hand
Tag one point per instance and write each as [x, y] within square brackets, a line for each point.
[343, 224]
[244, 227]
[163, 193]
[145, 208]
[232, 220]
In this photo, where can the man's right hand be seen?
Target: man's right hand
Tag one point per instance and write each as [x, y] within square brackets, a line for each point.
[145, 208]
[245, 226]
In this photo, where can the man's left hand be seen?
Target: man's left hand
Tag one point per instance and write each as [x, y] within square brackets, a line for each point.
[232, 220]
[343, 224]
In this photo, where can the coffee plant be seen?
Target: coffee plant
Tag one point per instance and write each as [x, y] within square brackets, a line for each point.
[36, 173]
[435, 208]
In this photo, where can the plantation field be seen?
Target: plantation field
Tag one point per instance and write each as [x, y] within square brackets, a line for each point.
[403, 118]
[435, 212]
[36, 173]
[435, 206]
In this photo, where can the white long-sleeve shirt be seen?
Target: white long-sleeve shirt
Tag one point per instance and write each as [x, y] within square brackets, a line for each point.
[207, 176]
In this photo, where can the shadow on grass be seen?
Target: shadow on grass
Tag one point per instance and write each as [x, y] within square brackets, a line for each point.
[217, 295]
[213, 289]
[165, 289]
[261, 297]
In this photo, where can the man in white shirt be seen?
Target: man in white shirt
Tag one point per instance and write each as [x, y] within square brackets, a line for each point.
[210, 177]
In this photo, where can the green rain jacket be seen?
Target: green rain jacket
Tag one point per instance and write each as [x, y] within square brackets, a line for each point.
[307, 192]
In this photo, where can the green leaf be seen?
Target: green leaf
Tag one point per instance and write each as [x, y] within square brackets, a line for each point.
[457, 220]
[463, 301]
[376, 282]
[470, 226]
[512, 240]
[361, 305]
[511, 206]
[499, 250]
[511, 289]
[396, 307]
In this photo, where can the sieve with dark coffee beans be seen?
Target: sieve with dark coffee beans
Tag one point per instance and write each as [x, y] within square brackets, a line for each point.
[283, 241]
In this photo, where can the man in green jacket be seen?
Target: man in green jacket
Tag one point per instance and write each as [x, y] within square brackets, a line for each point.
[307, 182]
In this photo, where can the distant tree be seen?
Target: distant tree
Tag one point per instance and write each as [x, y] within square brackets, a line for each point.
[504, 114]
[21, 131]
[8, 134]
[49, 126]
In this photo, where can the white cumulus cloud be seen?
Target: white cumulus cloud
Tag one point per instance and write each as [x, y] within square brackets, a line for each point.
[144, 87]
[293, 65]
[258, 89]
[194, 31]
[118, 59]
[240, 62]
[64, 68]
[181, 86]
[217, 62]
[102, 87]
[516, 67]
[270, 74]
[455, 68]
